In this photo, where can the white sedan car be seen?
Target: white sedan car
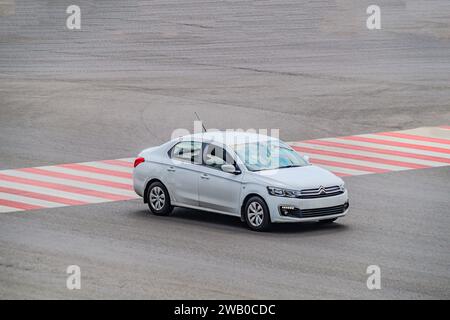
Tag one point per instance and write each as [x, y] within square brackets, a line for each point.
[255, 177]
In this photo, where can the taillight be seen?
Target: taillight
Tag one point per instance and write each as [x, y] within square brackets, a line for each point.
[138, 161]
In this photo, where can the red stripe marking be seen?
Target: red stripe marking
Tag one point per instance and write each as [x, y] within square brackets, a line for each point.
[397, 144]
[121, 163]
[62, 187]
[339, 174]
[77, 178]
[18, 205]
[413, 137]
[348, 166]
[445, 127]
[378, 150]
[83, 167]
[41, 196]
[363, 158]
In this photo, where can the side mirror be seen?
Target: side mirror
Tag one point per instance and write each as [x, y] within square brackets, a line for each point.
[306, 157]
[213, 160]
[229, 168]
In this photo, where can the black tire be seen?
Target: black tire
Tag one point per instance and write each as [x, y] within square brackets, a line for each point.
[159, 199]
[327, 221]
[257, 203]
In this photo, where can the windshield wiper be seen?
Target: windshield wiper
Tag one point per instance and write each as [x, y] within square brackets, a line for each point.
[290, 166]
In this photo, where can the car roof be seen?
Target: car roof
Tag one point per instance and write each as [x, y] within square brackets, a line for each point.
[228, 137]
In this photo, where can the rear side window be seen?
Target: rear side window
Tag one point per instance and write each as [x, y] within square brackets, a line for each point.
[187, 151]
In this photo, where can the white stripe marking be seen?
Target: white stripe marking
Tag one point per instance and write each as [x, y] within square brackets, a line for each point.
[130, 160]
[108, 166]
[9, 209]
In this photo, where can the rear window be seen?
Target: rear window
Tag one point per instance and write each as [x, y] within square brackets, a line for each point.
[188, 151]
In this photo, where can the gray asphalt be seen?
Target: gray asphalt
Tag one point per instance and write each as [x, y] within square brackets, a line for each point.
[138, 69]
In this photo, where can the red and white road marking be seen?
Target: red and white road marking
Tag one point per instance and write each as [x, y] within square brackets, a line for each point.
[380, 152]
[66, 185]
[111, 180]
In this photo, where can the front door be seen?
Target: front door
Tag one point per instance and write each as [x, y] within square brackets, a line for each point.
[219, 190]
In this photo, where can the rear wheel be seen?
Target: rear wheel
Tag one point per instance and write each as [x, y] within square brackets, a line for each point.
[257, 214]
[159, 199]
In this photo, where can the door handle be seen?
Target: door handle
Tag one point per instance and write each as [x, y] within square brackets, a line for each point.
[171, 169]
[205, 176]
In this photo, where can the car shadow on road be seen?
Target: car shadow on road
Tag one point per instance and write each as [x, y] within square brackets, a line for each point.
[221, 220]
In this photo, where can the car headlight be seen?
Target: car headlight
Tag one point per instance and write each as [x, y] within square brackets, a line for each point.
[280, 192]
[342, 187]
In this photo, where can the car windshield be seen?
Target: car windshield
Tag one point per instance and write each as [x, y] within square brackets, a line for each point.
[268, 155]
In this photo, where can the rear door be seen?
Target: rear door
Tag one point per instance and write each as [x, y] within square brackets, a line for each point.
[183, 172]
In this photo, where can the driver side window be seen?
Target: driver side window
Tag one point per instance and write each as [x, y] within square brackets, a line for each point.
[215, 156]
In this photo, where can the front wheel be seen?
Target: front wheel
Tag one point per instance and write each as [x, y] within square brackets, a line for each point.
[257, 214]
[159, 199]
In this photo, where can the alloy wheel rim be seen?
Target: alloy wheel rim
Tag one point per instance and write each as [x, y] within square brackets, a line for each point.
[255, 214]
[157, 198]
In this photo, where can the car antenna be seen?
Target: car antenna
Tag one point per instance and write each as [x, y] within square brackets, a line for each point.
[203, 126]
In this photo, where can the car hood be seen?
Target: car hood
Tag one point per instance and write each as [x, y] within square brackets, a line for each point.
[306, 177]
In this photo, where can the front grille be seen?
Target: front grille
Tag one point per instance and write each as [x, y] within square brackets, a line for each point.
[320, 192]
[318, 212]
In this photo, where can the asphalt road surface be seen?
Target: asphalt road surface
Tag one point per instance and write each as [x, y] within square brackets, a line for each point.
[138, 69]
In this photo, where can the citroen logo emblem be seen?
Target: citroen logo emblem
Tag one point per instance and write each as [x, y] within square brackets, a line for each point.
[322, 190]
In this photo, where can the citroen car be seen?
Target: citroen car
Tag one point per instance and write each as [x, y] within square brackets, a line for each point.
[255, 177]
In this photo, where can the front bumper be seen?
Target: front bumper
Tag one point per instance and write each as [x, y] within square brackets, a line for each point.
[314, 209]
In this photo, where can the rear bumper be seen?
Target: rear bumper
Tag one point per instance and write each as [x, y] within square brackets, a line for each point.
[139, 180]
